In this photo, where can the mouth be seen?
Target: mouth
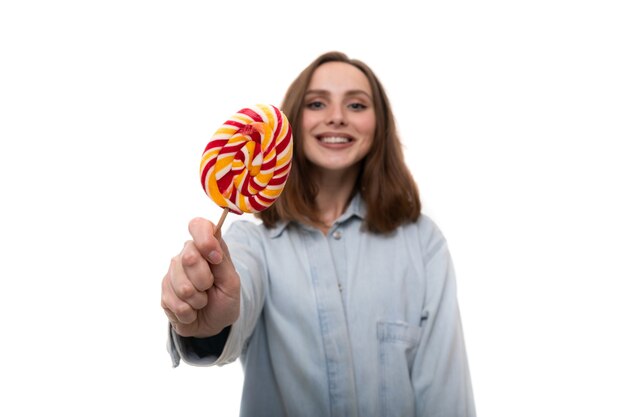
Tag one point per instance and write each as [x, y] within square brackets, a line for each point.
[334, 138]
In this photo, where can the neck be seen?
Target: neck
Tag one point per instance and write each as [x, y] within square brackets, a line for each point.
[335, 191]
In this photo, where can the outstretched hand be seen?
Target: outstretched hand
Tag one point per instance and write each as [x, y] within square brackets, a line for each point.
[200, 293]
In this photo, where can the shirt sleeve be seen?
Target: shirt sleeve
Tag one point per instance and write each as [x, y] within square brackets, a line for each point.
[228, 345]
[440, 373]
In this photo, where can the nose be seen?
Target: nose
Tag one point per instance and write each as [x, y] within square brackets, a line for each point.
[335, 116]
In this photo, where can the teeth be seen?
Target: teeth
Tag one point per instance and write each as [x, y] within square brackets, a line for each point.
[335, 139]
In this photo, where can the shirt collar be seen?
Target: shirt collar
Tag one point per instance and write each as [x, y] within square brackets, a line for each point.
[356, 208]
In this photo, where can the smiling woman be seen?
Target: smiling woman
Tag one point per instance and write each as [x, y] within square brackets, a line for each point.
[341, 97]
[343, 302]
[511, 116]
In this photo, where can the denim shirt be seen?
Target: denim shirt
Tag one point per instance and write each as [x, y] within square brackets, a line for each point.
[346, 324]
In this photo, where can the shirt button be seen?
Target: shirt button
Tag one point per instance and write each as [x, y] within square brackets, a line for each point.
[337, 234]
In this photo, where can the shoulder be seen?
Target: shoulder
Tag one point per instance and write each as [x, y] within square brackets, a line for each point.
[248, 231]
[424, 228]
[428, 230]
[244, 231]
[239, 226]
[425, 234]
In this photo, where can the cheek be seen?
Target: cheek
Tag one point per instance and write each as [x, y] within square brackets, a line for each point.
[306, 125]
[367, 124]
[308, 121]
[368, 129]
[306, 142]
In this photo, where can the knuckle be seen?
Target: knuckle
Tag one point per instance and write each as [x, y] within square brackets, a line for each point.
[170, 316]
[189, 257]
[183, 312]
[178, 307]
[198, 301]
[194, 222]
[168, 301]
[165, 295]
[196, 225]
[185, 290]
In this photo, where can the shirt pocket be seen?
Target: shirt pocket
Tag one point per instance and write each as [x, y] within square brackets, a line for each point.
[397, 346]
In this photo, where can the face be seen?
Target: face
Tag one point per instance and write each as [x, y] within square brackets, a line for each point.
[338, 119]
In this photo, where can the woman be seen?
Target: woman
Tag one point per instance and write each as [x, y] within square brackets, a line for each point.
[343, 301]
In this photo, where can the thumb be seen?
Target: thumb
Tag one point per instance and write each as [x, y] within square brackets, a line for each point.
[212, 247]
[224, 273]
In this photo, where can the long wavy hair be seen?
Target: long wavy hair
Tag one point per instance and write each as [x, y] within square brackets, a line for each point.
[384, 182]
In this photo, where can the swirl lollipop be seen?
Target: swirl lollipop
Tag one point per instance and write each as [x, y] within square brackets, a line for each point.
[246, 163]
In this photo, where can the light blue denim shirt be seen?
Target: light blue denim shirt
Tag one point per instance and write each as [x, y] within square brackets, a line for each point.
[348, 324]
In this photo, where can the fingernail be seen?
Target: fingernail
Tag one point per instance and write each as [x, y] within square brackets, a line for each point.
[215, 257]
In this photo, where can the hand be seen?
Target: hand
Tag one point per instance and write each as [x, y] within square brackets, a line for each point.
[200, 292]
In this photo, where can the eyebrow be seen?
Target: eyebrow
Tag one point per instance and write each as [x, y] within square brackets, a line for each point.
[348, 93]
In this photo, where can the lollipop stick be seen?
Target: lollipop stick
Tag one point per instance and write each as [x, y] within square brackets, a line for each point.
[221, 221]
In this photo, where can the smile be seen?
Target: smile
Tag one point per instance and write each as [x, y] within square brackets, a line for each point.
[334, 139]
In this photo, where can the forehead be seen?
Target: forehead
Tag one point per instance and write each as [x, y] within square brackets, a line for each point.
[339, 77]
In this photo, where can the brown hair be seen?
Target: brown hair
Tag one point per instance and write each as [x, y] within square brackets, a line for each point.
[385, 183]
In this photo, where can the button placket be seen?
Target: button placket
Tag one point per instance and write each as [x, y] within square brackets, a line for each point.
[338, 250]
[321, 252]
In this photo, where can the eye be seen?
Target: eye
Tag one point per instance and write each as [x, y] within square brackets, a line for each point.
[315, 105]
[357, 106]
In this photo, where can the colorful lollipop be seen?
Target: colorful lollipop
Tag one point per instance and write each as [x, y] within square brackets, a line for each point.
[246, 163]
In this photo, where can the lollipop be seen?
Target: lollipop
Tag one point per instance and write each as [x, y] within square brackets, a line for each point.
[246, 163]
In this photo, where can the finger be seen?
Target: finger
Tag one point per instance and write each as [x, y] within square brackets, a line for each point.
[182, 311]
[183, 287]
[203, 233]
[196, 268]
[170, 316]
[225, 277]
[181, 329]
[215, 250]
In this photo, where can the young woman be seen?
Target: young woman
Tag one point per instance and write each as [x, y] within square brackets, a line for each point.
[343, 302]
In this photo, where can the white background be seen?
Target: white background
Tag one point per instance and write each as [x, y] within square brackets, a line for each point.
[512, 115]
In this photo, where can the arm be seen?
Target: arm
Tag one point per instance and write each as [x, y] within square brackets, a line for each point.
[440, 374]
[214, 335]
